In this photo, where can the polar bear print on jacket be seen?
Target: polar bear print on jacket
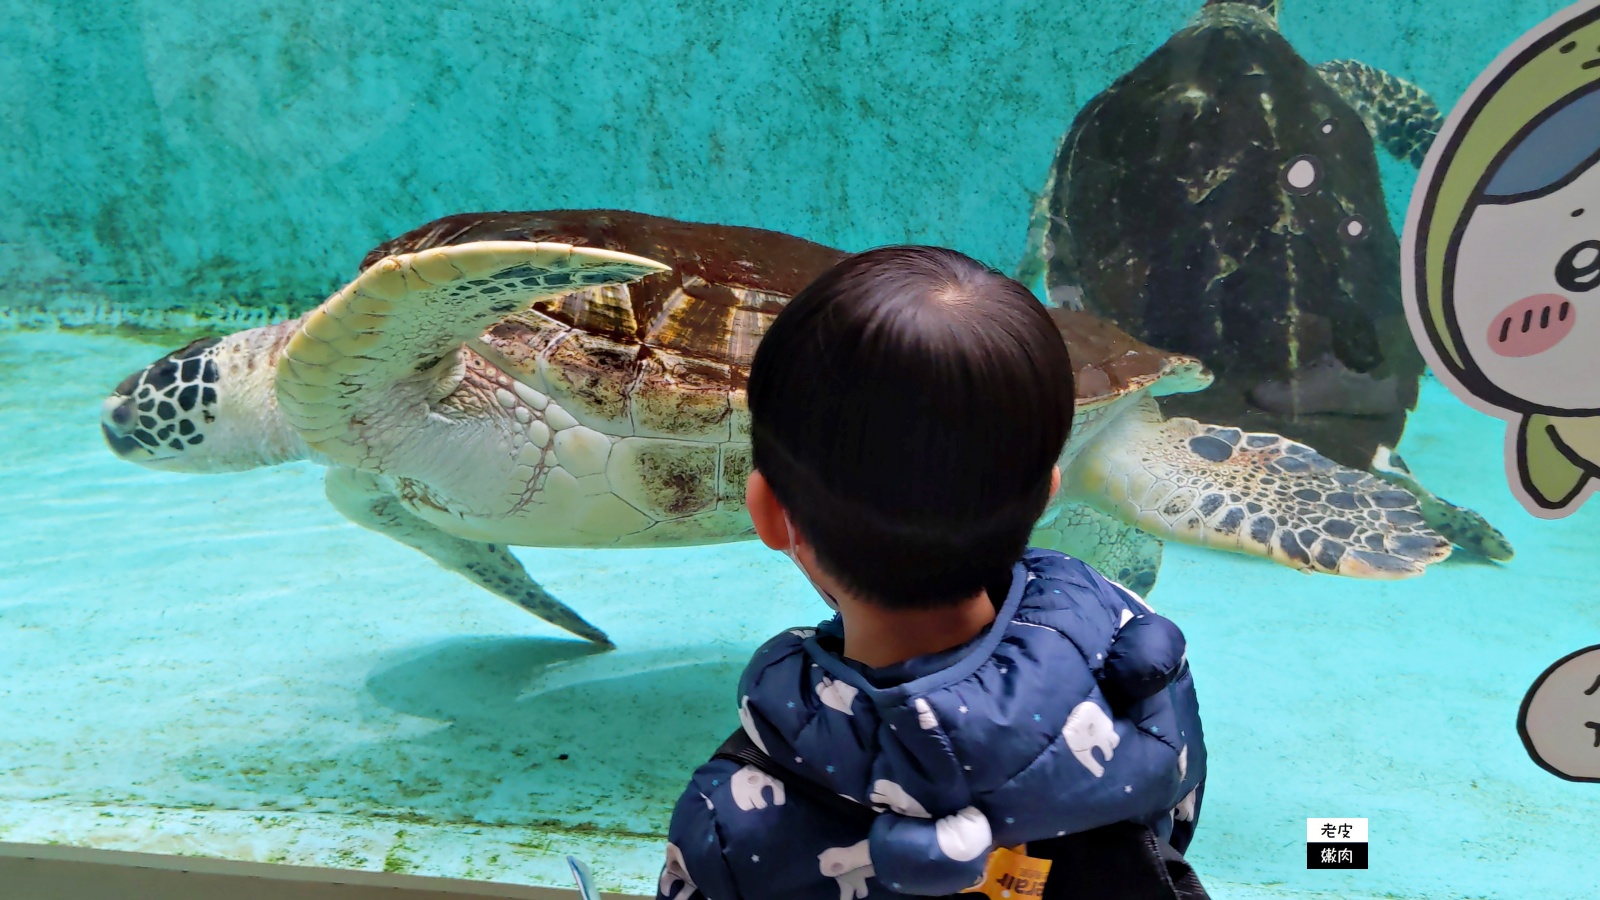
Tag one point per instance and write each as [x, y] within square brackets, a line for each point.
[748, 722]
[837, 695]
[964, 835]
[749, 786]
[850, 866]
[887, 793]
[1185, 810]
[1088, 729]
[676, 874]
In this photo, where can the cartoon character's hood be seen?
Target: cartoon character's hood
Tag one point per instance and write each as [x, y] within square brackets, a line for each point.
[1554, 152]
[1007, 738]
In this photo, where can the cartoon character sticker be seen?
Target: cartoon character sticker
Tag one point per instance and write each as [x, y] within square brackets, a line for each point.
[1560, 718]
[1502, 257]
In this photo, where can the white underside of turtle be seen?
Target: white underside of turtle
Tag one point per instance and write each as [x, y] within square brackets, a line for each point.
[433, 438]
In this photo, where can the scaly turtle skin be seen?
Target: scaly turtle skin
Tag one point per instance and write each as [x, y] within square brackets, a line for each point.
[1223, 199]
[576, 379]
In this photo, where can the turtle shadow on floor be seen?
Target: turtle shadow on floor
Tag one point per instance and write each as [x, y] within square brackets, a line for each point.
[1461, 556]
[501, 731]
[468, 679]
[482, 682]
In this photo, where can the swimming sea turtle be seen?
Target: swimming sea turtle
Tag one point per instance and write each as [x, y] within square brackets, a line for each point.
[1223, 199]
[489, 379]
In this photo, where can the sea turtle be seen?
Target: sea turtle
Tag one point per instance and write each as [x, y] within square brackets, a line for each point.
[490, 380]
[1223, 199]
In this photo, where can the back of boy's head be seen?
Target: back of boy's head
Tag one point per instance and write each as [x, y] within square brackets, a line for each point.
[907, 409]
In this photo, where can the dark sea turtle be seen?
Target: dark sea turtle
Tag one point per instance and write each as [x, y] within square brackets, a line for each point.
[1223, 199]
[575, 378]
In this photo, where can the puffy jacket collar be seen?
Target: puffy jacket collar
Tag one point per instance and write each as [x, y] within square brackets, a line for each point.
[894, 684]
[823, 718]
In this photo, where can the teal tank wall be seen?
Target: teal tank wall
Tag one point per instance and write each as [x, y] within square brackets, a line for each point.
[186, 153]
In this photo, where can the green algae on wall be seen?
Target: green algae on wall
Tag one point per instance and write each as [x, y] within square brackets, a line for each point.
[165, 154]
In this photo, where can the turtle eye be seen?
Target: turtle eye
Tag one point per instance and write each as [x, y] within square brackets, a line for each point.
[194, 348]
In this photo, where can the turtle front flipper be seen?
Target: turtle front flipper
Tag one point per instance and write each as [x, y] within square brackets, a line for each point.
[1465, 528]
[1121, 552]
[1030, 270]
[1260, 494]
[362, 498]
[1036, 252]
[1398, 114]
[406, 316]
[1048, 267]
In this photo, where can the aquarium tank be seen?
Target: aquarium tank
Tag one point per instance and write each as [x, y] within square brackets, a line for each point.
[305, 562]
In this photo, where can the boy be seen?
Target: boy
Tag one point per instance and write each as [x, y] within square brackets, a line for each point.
[907, 412]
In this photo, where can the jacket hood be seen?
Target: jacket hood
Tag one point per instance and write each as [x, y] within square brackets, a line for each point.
[1025, 710]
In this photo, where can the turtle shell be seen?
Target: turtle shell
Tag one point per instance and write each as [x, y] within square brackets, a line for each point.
[669, 355]
[1109, 364]
[1221, 199]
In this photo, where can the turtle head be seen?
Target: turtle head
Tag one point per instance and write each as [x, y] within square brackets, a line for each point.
[207, 407]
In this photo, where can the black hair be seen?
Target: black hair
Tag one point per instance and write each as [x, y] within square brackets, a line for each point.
[907, 408]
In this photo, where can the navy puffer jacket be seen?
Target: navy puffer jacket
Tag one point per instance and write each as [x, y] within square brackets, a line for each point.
[1074, 710]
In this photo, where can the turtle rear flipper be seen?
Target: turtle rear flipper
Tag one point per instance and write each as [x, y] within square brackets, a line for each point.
[1465, 528]
[405, 316]
[1116, 550]
[1398, 114]
[362, 499]
[1259, 494]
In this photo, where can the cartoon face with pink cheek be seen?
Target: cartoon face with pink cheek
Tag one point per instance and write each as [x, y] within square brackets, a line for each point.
[1502, 257]
[1527, 293]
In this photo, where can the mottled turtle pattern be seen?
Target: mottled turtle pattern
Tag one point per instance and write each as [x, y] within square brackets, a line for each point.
[1275, 495]
[630, 393]
[1223, 199]
[576, 379]
[1131, 475]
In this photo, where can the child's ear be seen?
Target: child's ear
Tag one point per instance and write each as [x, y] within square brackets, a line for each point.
[766, 513]
[1055, 482]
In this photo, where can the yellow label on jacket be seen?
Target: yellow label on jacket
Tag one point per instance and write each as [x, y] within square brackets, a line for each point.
[1011, 875]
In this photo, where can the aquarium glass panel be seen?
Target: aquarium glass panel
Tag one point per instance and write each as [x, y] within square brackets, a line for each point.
[344, 526]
